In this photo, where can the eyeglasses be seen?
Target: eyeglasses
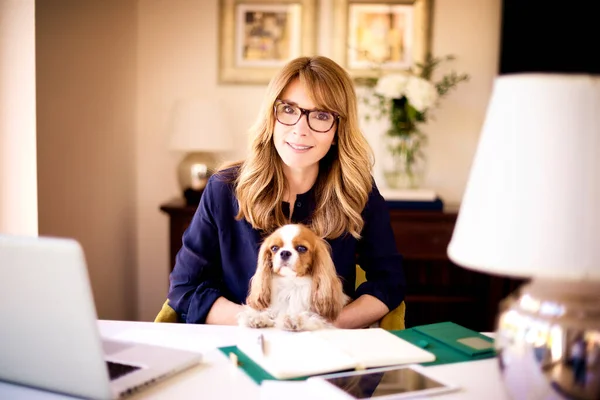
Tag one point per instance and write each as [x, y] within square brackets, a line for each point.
[318, 121]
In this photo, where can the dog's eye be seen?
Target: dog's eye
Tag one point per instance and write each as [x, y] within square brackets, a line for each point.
[301, 249]
[274, 248]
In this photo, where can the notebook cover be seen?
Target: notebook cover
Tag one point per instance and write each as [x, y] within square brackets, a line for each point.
[459, 338]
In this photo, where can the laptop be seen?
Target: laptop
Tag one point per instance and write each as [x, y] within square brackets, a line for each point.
[49, 337]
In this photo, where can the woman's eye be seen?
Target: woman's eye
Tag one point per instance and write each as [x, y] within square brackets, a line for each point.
[323, 116]
[274, 248]
[289, 110]
[301, 249]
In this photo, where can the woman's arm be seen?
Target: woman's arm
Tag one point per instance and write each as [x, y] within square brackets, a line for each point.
[379, 257]
[197, 278]
[361, 313]
[223, 312]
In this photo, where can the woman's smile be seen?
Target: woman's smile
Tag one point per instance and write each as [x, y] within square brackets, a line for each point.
[298, 147]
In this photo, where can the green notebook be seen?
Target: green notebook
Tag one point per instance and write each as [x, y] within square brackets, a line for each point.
[466, 341]
[445, 340]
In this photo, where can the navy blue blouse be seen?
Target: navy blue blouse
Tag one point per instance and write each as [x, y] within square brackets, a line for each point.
[219, 253]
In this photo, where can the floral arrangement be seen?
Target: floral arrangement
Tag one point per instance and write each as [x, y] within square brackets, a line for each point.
[407, 98]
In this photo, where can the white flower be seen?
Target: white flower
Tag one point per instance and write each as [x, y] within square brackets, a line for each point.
[415, 93]
[421, 93]
[391, 86]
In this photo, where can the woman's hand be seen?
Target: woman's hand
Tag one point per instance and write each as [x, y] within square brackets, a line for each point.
[361, 313]
[223, 312]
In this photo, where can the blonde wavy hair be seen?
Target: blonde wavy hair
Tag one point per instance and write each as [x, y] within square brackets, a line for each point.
[344, 180]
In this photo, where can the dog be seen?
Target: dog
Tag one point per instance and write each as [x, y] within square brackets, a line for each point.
[295, 286]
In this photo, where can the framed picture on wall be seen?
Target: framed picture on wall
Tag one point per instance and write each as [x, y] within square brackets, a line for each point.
[390, 35]
[259, 37]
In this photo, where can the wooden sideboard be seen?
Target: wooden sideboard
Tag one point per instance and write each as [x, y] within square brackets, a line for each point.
[437, 289]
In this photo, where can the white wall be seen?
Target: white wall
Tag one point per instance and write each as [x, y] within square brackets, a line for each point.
[177, 50]
[18, 181]
[86, 92]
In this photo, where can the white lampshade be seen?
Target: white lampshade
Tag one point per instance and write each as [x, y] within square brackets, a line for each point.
[532, 203]
[199, 125]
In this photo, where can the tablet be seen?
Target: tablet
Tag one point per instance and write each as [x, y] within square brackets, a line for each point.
[389, 383]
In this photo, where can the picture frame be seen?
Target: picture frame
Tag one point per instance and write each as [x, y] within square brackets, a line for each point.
[381, 35]
[257, 37]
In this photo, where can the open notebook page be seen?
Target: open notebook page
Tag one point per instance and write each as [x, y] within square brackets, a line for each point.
[375, 347]
[290, 355]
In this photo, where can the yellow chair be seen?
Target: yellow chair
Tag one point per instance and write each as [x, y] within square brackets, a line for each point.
[166, 314]
[394, 320]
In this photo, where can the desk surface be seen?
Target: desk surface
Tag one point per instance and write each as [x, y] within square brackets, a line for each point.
[217, 378]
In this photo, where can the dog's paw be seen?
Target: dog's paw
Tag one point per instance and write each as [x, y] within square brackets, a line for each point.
[289, 322]
[252, 318]
[314, 322]
[305, 321]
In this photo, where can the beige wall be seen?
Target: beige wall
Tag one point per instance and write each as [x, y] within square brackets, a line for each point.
[469, 29]
[177, 51]
[18, 181]
[109, 73]
[86, 98]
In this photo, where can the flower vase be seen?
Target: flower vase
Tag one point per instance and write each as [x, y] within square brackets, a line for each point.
[404, 161]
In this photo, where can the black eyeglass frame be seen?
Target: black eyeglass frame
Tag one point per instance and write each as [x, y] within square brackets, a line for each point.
[304, 111]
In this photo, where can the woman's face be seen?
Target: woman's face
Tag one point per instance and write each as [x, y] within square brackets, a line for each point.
[300, 147]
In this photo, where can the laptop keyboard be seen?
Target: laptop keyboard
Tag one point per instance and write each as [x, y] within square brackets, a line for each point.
[116, 370]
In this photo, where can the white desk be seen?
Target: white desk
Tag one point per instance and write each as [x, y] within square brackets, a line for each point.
[217, 378]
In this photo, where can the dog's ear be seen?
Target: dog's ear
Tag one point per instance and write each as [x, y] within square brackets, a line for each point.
[259, 296]
[328, 294]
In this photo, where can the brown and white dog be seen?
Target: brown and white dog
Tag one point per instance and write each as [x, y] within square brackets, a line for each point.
[296, 286]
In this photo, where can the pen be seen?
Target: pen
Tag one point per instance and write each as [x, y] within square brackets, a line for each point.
[261, 343]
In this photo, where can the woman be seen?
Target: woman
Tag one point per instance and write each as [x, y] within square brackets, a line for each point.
[308, 163]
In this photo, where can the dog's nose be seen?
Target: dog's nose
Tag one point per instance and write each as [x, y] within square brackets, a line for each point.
[285, 255]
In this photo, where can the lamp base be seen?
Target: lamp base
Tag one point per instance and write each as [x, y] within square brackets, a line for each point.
[193, 173]
[548, 341]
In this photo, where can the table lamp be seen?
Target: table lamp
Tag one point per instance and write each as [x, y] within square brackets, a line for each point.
[531, 209]
[199, 129]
